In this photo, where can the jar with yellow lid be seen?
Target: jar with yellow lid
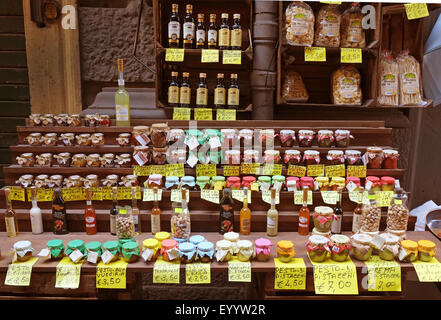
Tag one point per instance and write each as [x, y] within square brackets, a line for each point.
[408, 251]
[426, 250]
[285, 251]
[223, 251]
[245, 250]
[337, 182]
[322, 183]
[340, 247]
[161, 236]
[361, 248]
[153, 246]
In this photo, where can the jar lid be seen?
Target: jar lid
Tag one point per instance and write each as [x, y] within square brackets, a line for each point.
[339, 239]
[318, 240]
[35, 134]
[98, 134]
[223, 244]
[287, 131]
[45, 176]
[155, 177]
[389, 238]
[374, 150]
[108, 155]
[55, 243]
[186, 246]
[244, 244]
[353, 153]
[306, 132]
[202, 179]
[279, 178]
[64, 155]
[197, 239]
[233, 179]
[93, 246]
[340, 180]
[193, 132]
[264, 179]
[323, 210]
[267, 131]
[313, 153]
[248, 179]
[130, 246]
[231, 236]
[76, 244]
[27, 155]
[205, 246]
[160, 126]
[218, 178]
[325, 132]
[387, 180]
[142, 148]
[161, 236]
[285, 245]
[140, 128]
[169, 243]
[372, 179]
[292, 179]
[163, 150]
[112, 177]
[335, 153]
[111, 245]
[79, 155]
[319, 233]
[212, 132]
[356, 180]
[307, 179]
[126, 134]
[426, 245]
[390, 152]
[322, 179]
[150, 243]
[272, 152]
[292, 152]
[228, 131]
[251, 152]
[409, 245]
[91, 177]
[342, 132]
[263, 243]
[172, 179]
[83, 135]
[187, 179]
[362, 238]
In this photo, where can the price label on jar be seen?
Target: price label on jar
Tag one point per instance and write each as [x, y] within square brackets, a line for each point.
[416, 10]
[176, 170]
[19, 273]
[329, 197]
[181, 113]
[210, 195]
[239, 271]
[203, 114]
[73, 194]
[315, 54]
[149, 195]
[383, 275]
[157, 169]
[231, 57]
[250, 168]
[197, 273]
[335, 171]
[271, 169]
[231, 171]
[225, 115]
[141, 171]
[239, 195]
[266, 196]
[174, 55]
[208, 170]
[296, 171]
[111, 275]
[255, 186]
[298, 197]
[165, 271]
[43, 195]
[384, 198]
[125, 193]
[219, 185]
[290, 275]
[68, 274]
[356, 171]
[210, 55]
[350, 55]
[428, 271]
[17, 193]
[316, 170]
[176, 195]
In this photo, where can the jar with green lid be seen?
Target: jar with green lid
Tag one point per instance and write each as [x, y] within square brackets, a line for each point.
[203, 182]
[408, 251]
[264, 182]
[56, 247]
[171, 182]
[218, 179]
[187, 251]
[188, 182]
[154, 246]
[212, 133]
[197, 134]
[114, 248]
[223, 251]
[122, 241]
[280, 179]
[76, 245]
[245, 250]
[361, 248]
[94, 246]
[214, 157]
[426, 250]
[317, 248]
[340, 247]
[161, 236]
[205, 251]
[130, 251]
[390, 248]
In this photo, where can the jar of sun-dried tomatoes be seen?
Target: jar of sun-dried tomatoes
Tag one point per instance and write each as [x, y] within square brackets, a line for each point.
[287, 137]
[374, 157]
[306, 137]
[353, 158]
[292, 157]
[325, 138]
[390, 159]
[311, 157]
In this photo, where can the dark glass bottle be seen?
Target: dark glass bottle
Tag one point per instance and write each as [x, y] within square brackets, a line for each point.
[236, 33]
[202, 92]
[220, 92]
[174, 27]
[224, 33]
[173, 90]
[212, 33]
[233, 92]
[185, 91]
[189, 28]
[226, 217]
[338, 215]
[201, 34]
[59, 216]
[114, 211]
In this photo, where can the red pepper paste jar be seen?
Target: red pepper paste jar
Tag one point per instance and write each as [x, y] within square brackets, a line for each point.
[247, 181]
[233, 183]
[307, 182]
[355, 180]
[374, 157]
[311, 157]
[287, 138]
[353, 158]
[390, 159]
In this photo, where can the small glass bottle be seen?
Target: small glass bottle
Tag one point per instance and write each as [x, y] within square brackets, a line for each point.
[226, 218]
[202, 91]
[304, 214]
[156, 213]
[219, 92]
[114, 211]
[212, 32]
[35, 213]
[173, 90]
[59, 216]
[236, 33]
[188, 28]
[122, 100]
[357, 212]
[245, 215]
[224, 33]
[338, 215]
[200, 32]
[136, 212]
[174, 27]
[233, 92]
[185, 91]
[10, 217]
[89, 214]
[272, 223]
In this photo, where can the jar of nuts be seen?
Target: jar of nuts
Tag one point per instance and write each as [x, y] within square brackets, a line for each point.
[398, 212]
[370, 215]
[125, 224]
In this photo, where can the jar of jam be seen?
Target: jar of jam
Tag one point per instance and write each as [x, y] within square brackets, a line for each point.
[355, 181]
[266, 137]
[408, 251]
[123, 139]
[353, 158]
[205, 251]
[292, 157]
[285, 251]
[281, 181]
[169, 250]
[104, 120]
[251, 156]
[154, 246]
[171, 182]
[337, 182]
[271, 156]
[340, 247]
[188, 182]
[73, 181]
[218, 180]
[245, 250]
[306, 137]
[41, 181]
[97, 139]
[47, 120]
[246, 138]
[223, 251]
[233, 183]
[176, 135]
[35, 119]
[91, 181]
[263, 249]
[25, 180]
[68, 139]
[159, 155]
[177, 156]
[317, 248]
[233, 237]
[34, 139]
[292, 184]
[74, 120]
[374, 157]
[247, 181]
[129, 180]
[342, 138]
[161, 236]
[93, 160]
[84, 139]
[390, 159]
[264, 182]
[114, 248]
[230, 138]
[130, 252]
[375, 183]
[287, 138]
[426, 250]
[232, 157]
[307, 182]
[323, 217]
[140, 136]
[155, 181]
[203, 183]
[322, 183]
[26, 160]
[56, 248]
[361, 248]
[124, 160]
[50, 139]
[63, 159]
[387, 183]
[187, 251]
[110, 181]
[159, 134]
[311, 157]
[44, 160]
[23, 250]
[76, 245]
[107, 160]
[335, 157]
[325, 138]
[142, 155]
[91, 120]
[389, 251]
[94, 246]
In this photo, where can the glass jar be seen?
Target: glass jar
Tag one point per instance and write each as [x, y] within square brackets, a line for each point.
[271, 156]
[323, 217]
[245, 250]
[306, 137]
[374, 157]
[264, 182]
[35, 119]
[34, 139]
[76, 245]
[325, 138]
[370, 215]
[91, 181]
[107, 160]
[390, 249]
[317, 248]
[408, 251]
[114, 248]
[187, 251]
[94, 246]
[287, 138]
[123, 241]
[263, 249]
[196, 239]
[176, 135]
[63, 159]
[104, 120]
[44, 160]
[180, 224]
[50, 139]
[142, 155]
[84, 140]
[311, 157]
[337, 182]
[355, 181]
[159, 135]
[218, 179]
[342, 138]
[215, 156]
[91, 120]
[171, 182]
[177, 156]
[194, 134]
[97, 139]
[251, 156]
[335, 157]
[125, 224]
[23, 250]
[307, 182]
[361, 248]
[94, 160]
[376, 183]
[154, 181]
[130, 252]
[47, 120]
[161, 236]
[285, 251]
[233, 183]
[74, 120]
[154, 246]
[159, 155]
[223, 251]
[231, 138]
[79, 160]
[140, 136]
[26, 160]
[322, 183]
[266, 137]
[68, 139]
[212, 133]
[387, 183]
[110, 181]
[74, 181]
[398, 213]
[188, 182]
[203, 183]
[292, 157]
[390, 159]
[280, 179]
[123, 139]
[247, 181]
[353, 158]
[340, 247]
[169, 250]
[129, 180]
[292, 184]
[205, 251]
[246, 138]
[426, 250]
[61, 119]
[233, 237]
[25, 180]
[41, 181]
[56, 248]
[232, 157]
[124, 160]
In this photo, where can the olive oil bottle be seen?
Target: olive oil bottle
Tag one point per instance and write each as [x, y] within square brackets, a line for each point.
[201, 34]
[122, 100]
[233, 92]
[173, 90]
[202, 92]
[236, 33]
[189, 28]
[185, 91]
[212, 33]
[219, 92]
[224, 33]
[174, 27]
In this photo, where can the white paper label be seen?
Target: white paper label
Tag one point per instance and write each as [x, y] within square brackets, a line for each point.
[368, 185]
[107, 256]
[200, 36]
[265, 186]
[76, 256]
[192, 143]
[220, 254]
[215, 143]
[188, 31]
[122, 112]
[147, 254]
[173, 253]
[174, 30]
[92, 257]
[277, 185]
[45, 253]
[192, 160]
[212, 36]
[351, 186]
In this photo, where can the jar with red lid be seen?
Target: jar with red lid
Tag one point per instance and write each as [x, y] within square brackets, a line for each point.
[271, 156]
[159, 134]
[159, 155]
[387, 183]
[307, 182]
[142, 155]
[251, 156]
[267, 137]
[374, 157]
[292, 184]
[169, 250]
[231, 138]
[342, 138]
[306, 137]
[287, 138]
[390, 159]
[325, 138]
[355, 181]
[247, 181]
[140, 135]
[376, 183]
[232, 157]
[353, 158]
[154, 181]
[311, 157]
[292, 157]
[335, 157]
[233, 183]
[246, 138]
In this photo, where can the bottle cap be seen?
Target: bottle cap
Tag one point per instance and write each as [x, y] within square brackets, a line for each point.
[224, 15]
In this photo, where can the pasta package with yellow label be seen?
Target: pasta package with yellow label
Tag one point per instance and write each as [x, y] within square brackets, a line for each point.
[388, 84]
[410, 79]
[294, 89]
[327, 29]
[346, 86]
[352, 32]
[299, 24]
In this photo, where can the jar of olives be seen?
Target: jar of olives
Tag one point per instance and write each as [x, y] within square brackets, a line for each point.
[323, 217]
[317, 248]
[340, 247]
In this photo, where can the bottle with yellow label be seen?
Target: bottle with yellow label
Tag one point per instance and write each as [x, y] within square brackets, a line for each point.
[212, 33]
[185, 91]
[122, 100]
[224, 33]
[220, 92]
[10, 217]
[202, 92]
[173, 90]
[233, 92]
[236, 33]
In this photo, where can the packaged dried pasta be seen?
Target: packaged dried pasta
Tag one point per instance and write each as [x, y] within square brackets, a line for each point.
[299, 24]
[351, 29]
[327, 29]
[388, 84]
[346, 86]
[294, 89]
[410, 79]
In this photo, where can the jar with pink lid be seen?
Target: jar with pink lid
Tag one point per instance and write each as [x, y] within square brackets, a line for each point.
[247, 181]
[355, 181]
[271, 156]
[263, 249]
[307, 182]
[375, 183]
[353, 158]
[287, 138]
[306, 137]
[292, 157]
[292, 184]
[233, 183]
[311, 157]
[325, 138]
[231, 138]
[251, 156]
[335, 157]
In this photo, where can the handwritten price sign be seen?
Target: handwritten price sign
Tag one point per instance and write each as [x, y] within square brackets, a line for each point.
[316, 170]
[68, 274]
[231, 57]
[239, 271]
[356, 171]
[250, 168]
[165, 271]
[209, 55]
[19, 273]
[231, 171]
[208, 170]
[383, 275]
[203, 114]
[141, 171]
[270, 169]
[291, 275]
[416, 10]
[125, 193]
[315, 54]
[157, 169]
[296, 171]
[176, 170]
[73, 194]
[384, 198]
[210, 195]
[266, 196]
[197, 273]
[335, 171]
[43, 195]
[428, 271]
[181, 113]
[176, 195]
[239, 195]
[174, 55]
[225, 115]
[149, 195]
[298, 197]
[112, 275]
[17, 193]
[329, 197]
[350, 55]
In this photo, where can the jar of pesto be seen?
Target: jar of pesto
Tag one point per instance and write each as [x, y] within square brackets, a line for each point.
[390, 249]
[114, 248]
[56, 247]
[130, 251]
[94, 246]
[426, 250]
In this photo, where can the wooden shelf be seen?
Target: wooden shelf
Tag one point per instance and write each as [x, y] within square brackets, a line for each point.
[72, 149]
[366, 104]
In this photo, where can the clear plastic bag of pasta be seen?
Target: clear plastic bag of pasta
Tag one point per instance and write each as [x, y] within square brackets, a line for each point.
[299, 24]
[352, 32]
[388, 84]
[346, 86]
[327, 29]
[294, 89]
[411, 92]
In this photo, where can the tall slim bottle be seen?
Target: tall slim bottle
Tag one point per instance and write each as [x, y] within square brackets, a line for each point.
[174, 27]
[59, 216]
[89, 214]
[212, 33]
[357, 212]
[233, 92]
[201, 35]
[304, 214]
[10, 217]
[245, 215]
[156, 214]
[236, 33]
[272, 221]
[224, 33]
[189, 28]
[135, 212]
[35, 213]
[114, 211]
[338, 214]
[122, 100]
[202, 91]
[226, 214]
[220, 92]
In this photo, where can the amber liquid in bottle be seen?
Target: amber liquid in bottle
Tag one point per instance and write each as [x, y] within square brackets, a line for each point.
[10, 217]
[219, 92]
[212, 33]
[173, 90]
[188, 28]
[357, 212]
[245, 215]
[156, 214]
[226, 214]
[202, 92]
[233, 92]
[201, 34]
[224, 33]
[174, 27]
[89, 214]
[304, 214]
[185, 91]
[236, 33]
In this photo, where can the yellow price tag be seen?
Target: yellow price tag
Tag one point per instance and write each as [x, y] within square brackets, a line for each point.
[416, 10]
[68, 274]
[271, 169]
[231, 57]
[209, 55]
[428, 271]
[250, 168]
[298, 197]
[351, 55]
[181, 113]
[165, 271]
[157, 169]
[329, 197]
[356, 171]
[383, 275]
[239, 271]
[19, 273]
[231, 171]
[315, 54]
[73, 194]
[149, 195]
[219, 185]
[225, 115]
[174, 55]
[210, 195]
[335, 171]
[111, 275]
[335, 277]
[106, 193]
[17, 193]
[125, 193]
[141, 171]
[384, 198]
[176, 195]
[296, 171]
[239, 195]
[208, 170]
[43, 195]
[266, 196]
[203, 114]
[176, 170]
[197, 273]
[97, 194]
[316, 170]
[291, 275]
[255, 186]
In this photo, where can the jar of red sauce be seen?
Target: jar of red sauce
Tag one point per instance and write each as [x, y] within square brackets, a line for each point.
[233, 183]
[390, 159]
[307, 182]
[353, 158]
[335, 157]
[247, 181]
[374, 157]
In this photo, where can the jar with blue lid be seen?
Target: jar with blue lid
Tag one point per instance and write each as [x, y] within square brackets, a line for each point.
[205, 251]
[196, 239]
[171, 182]
[187, 251]
[188, 182]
